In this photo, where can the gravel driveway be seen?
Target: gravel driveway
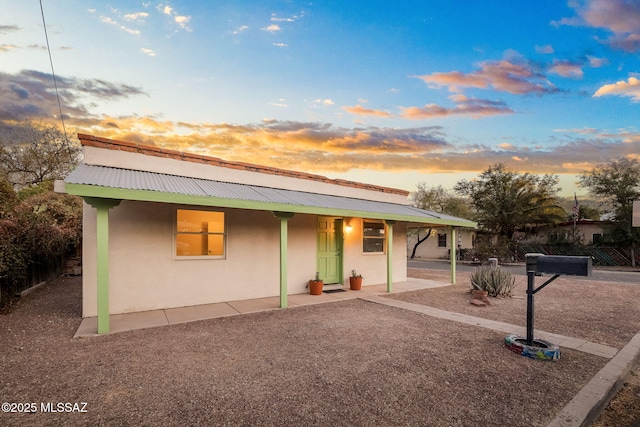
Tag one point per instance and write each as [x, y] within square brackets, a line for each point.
[350, 363]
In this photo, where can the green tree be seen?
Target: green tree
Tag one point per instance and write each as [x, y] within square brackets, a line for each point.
[440, 200]
[436, 199]
[35, 153]
[617, 184]
[585, 212]
[505, 201]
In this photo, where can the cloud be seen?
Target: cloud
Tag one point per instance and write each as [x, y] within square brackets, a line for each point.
[5, 29]
[7, 47]
[465, 106]
[324, 102]
[304, 146]
[273, 28]
[111, 21]
[567, 68]
[597, 62]
[361, 111]
[136, 16]
[294, 18]
[281, 103]
[280, 45]
[240, 29]
[148, 52]
[620, 17]
[630, 88]
[514, 77]
[29, 94]
[546, 49]
[181, 20]
[166, 9]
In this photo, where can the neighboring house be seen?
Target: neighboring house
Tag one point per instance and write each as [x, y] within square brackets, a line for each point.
[438, 244]
[164, 229]
[585, 232]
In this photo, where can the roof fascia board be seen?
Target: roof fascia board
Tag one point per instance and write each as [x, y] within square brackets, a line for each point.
[84, 190]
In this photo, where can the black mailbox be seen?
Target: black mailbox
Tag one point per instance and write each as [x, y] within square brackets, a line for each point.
[559, 264]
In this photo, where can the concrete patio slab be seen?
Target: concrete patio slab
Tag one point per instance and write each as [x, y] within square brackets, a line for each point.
[199, 312]
[255, 305]
[139, 320]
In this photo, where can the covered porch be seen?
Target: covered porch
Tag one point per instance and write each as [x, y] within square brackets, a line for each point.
[171, 316]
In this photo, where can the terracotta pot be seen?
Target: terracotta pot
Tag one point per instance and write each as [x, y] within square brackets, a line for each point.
[355, 283]
[315, 287]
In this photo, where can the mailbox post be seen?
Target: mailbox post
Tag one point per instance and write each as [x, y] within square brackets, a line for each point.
[538, 264]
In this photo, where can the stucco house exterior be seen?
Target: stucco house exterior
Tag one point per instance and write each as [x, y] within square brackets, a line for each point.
[584, 231]
[165, 229]
[440, 242]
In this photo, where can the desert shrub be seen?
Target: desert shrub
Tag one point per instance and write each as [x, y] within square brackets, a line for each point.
[496, 281]
[35, 236]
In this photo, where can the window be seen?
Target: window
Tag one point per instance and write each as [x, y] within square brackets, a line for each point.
[442, 240]
[373, 237]
[200, 234]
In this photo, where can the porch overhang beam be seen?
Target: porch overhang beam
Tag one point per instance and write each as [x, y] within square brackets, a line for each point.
[89, 190]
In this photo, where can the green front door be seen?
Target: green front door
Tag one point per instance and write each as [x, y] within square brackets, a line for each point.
[329, 249]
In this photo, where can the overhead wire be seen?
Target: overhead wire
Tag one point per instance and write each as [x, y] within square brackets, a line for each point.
[53, 74]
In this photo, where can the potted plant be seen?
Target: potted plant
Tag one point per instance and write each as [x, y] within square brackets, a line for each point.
[315, 285]
[355, 281]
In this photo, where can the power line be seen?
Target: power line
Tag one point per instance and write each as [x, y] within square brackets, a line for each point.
[53, 74]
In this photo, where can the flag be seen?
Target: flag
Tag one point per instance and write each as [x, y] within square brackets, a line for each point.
[576, 207]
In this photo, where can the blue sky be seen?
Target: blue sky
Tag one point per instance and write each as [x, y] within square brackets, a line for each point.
[391, 93]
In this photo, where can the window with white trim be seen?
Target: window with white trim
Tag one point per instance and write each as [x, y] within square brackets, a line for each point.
[373, 237]
[200, 234]
[442, 240]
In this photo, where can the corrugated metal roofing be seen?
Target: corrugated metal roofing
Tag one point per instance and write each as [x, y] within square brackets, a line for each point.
[110, 177]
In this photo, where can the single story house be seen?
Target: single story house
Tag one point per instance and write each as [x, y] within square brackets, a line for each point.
[440, 242]
[165, 229]
[584, 231]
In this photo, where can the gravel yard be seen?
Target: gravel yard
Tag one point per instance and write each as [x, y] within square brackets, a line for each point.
[350, 363]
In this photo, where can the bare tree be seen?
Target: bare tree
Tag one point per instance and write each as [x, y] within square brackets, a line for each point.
[439, 200]
[36, 152]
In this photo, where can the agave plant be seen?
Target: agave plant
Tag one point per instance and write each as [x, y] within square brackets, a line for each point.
[494, 280]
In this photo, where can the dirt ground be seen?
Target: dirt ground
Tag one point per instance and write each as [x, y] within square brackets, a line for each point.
[603, 312]
[348, 363]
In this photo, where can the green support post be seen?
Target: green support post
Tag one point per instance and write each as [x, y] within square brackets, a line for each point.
[284, 217]
[102, 207]
[390, 225]
[454, 256]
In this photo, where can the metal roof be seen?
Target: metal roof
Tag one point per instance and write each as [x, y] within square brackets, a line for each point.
[85, 180]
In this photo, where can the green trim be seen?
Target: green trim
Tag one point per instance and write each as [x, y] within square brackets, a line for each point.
[390, 224]
[85, 190]
[102, 203]
[284, 219]
[102, 255]
[454, 256]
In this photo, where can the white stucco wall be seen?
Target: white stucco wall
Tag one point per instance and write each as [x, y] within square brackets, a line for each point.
[430, 249]
[144, 274]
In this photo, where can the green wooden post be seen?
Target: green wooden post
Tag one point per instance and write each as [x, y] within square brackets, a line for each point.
[284, 218]
[454, 256]
[102, 207]
[390, 224]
